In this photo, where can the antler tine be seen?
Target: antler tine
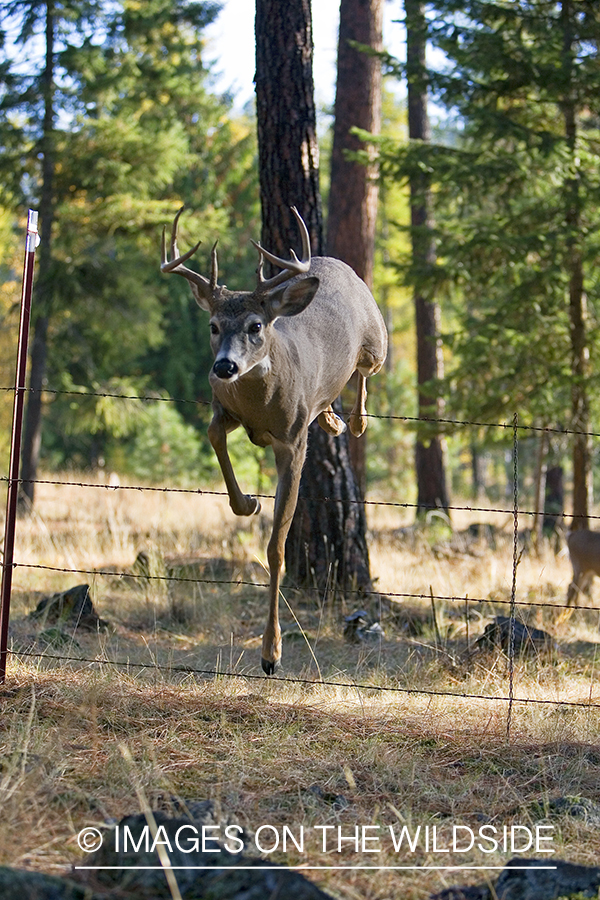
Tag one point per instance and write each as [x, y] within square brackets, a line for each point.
[214, 269]
[304, 234]
[291, 267]
[174, 227]
[175, 264]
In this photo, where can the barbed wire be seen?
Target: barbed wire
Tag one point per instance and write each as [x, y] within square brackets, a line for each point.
[349, 501]
[146, 578]
[239, 582]
[277, 679]
[386, 416]
[146, 399]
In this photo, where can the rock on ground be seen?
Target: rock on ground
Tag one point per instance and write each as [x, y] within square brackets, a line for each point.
[523, 879]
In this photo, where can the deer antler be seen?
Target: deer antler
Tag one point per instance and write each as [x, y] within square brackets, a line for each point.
[291, 267]
[175, 264]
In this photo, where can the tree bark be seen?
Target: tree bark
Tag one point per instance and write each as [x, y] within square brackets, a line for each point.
[326, 545]
[352, 216]
[580, 408]
[288, 153]
[554, 499]
[478, 484]
[353, 193]
[32, 437]
[541, 468]
[429, 452]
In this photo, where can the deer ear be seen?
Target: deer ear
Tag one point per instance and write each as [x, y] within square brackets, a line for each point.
[291, 299]
[202, 298]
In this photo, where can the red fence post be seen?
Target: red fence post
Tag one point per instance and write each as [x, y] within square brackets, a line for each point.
[15, 443]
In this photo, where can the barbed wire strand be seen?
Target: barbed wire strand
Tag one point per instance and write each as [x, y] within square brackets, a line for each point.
[386, 416]
[308, 589]
[278, 679]
[202, 491]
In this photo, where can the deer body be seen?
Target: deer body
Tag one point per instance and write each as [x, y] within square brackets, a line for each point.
[283, 354]
[307, 359]
[584, 551]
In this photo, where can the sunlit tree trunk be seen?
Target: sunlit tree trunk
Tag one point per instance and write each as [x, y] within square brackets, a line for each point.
[429, 451]
[352, 215]
[580, 408]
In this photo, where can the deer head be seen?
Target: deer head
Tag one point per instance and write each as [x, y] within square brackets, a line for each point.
[241, 322]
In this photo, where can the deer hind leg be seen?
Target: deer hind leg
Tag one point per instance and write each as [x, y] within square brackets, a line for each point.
[222, 423]
[579, 585]
[358, 416]
[331, 422]
[289, 461]
[368, 363]
[572, 594]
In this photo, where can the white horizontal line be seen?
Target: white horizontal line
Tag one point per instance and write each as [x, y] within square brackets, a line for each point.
[303, 866]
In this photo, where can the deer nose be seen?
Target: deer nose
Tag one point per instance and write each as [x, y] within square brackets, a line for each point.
[225, 368]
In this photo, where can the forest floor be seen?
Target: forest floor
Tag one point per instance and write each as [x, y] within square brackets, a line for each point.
[348, 736]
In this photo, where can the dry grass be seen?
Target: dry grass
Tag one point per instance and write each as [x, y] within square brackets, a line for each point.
[280, 753]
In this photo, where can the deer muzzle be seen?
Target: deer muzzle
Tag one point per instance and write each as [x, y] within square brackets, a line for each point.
[225, 369]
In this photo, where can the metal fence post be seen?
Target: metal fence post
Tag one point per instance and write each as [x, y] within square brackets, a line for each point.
[15, 443]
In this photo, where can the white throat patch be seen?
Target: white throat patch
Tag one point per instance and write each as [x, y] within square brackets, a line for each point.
[260, 368]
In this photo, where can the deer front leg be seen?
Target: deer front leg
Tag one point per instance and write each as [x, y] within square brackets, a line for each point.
[222, 423]
[573, 590]
[289, 461]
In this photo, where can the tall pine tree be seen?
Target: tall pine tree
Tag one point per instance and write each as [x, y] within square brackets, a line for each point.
[326, 545]
[136, 132]
[517, 191]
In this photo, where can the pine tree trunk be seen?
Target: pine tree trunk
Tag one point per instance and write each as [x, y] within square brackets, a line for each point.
[327, 540]
[32, 437]
[327, 546]
[429, 452]
[352, 215]
[288, 153]
[580, 409]
[353, 193]
[476, 471]
[554, 499]
[541, 469]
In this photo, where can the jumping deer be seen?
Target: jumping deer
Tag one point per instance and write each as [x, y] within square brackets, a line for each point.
[283, 352]
[584, 550]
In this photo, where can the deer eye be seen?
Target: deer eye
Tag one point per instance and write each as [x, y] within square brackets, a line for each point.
[255, 328]
[214, 328]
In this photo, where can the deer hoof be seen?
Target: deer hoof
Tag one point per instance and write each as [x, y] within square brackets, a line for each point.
[269, 666]
[358, 424]
[252, 506]
[248, 506]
